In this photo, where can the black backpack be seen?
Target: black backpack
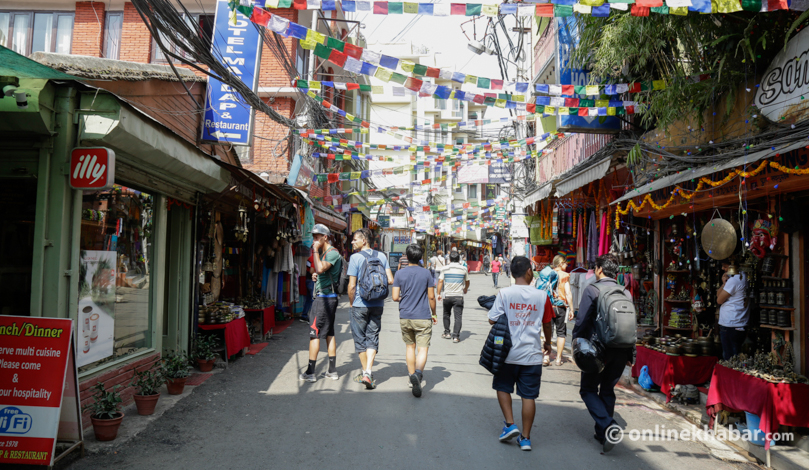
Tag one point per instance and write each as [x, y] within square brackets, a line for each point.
[341, 288]
[616, 321]
[372, 282]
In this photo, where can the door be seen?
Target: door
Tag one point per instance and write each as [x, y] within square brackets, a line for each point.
[178, 266]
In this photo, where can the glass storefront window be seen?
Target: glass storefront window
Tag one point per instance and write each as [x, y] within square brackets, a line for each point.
[114, 317]
[18, 198]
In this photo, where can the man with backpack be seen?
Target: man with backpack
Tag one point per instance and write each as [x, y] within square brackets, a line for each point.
[528, 311]
[607, 317]
[486, 262]
[328, 266]
[369, 275]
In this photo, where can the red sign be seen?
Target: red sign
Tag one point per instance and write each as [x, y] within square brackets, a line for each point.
[92, 168]
[34, 357]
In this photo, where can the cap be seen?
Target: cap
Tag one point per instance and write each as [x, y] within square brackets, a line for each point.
[320, 229]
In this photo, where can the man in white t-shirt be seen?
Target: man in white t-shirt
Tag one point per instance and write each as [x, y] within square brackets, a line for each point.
[526, 309]
[733, 313]
[436, 264]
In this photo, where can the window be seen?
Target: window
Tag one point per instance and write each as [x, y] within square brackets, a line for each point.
[114, 275]
[473, 191]
[302, 61]
[29, 32]
[112, 35]
[202, 23]
[457, 109]
[440, 104]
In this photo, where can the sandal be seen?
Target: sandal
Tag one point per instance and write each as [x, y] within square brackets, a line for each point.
[446, 336]
[456, 340]
[558, 362]
[546, 362]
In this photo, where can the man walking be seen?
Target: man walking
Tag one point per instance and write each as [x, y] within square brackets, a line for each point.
[436, 264]
[413, 288]
[598, 390]
[486, 262]
[454, 280]
[496, 270]
[328, 264]
[366, 315]
[506, 267]
[526, 309]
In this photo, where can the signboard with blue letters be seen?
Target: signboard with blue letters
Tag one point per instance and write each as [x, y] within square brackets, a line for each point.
[567, 40]
[227, 118]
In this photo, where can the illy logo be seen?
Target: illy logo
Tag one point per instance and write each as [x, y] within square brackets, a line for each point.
[92, 168]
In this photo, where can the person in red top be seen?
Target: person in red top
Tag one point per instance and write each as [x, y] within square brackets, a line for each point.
[496, 264]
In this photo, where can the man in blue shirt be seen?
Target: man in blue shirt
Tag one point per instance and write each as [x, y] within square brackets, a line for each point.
[413, 288]
[366, 315]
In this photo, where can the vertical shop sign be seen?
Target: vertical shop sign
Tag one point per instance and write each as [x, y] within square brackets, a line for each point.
[567, 40]
[491, 192]
[227, 118]
[92, 168]
[37, 407]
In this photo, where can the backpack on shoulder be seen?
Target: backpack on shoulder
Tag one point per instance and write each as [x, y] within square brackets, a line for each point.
[341, 287]
[546, 282]
[615, 323]
[373, 280]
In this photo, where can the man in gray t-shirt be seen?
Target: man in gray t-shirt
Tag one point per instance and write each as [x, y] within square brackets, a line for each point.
[413, 288]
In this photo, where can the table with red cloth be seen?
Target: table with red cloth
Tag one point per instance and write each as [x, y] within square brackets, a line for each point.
[667, 371]
[267, 316]
[235, 332]
[776, 404]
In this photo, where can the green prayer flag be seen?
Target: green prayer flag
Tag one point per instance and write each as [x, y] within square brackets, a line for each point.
[398, 78]
[580, 89]
[751, 5]
[356, 119]
[585, 103]
[482, 82]
[345, 176]
[646, 86]
[335, 44]
[561, 11]
[395, 8]
[503, 96]
[419, 69]
[322, 51]
[365, 87]
[245, 10]
[322, 177]
[664, 10]
[622, 111]
[284, 3]
[473, 9]
[303, 83]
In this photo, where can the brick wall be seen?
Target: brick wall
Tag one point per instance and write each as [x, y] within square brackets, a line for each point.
[136, 41]
[120, 376]
[263, 156]
[88, 29]
[271, 72]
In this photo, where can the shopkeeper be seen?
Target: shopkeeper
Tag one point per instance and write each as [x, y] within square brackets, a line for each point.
[733, 311]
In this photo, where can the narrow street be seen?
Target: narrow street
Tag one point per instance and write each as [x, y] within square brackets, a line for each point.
[258, 415]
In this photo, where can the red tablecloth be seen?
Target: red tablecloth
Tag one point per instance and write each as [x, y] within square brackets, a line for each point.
[236, 335]
[775, 404]
[668, 371]
[269, 317]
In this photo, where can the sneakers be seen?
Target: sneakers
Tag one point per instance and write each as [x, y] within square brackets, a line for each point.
[509, 433]
[307, 377]
[368, 381]
[612, 435]
[304, 319]
[415, 382]
[330, 375]
[524, 442]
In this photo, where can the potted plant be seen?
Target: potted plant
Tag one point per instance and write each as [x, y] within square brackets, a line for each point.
[205, 352]
[148, 383]
[104, 412]
[176, 370]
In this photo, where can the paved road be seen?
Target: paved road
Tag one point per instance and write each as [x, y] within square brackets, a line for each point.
[257, 414]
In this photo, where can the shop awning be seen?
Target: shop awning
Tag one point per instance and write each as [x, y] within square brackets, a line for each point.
[538, 194]
[595, 172]
[329, 218]
[16, 65]
[145, 143]
[671, 180]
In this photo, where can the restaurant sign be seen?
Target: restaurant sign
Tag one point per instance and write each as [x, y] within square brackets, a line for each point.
[781, 94]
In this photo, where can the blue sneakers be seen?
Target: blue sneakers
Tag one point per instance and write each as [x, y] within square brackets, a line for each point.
[524, 442]
[509, 432]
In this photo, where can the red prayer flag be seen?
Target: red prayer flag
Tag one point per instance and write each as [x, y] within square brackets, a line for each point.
[425, 208]
[458, 9]
[413, 84]
[530, 140]
[777, 5]
[583, 112]
[639, 11]
[634, 87]
[545, 10]
[337, 57]
[531, 108]
[333, 177]
[479, 99]
[630, 110]
[352, 86]
[299, 4]
[365, 124]
[380, 8]
[326, 104]
[260, 16]
[497, 84]
[649, 3]
[490, 95]
[568, 89]
[466, 205]
[352, 51]
[433, 72]
[572, 102]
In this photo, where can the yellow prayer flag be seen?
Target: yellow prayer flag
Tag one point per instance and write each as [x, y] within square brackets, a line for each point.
[349, 117]
[411, 8]
[563, 111]
[377, 90]
[364, 130]
[383, 74]
[602, 103]
[681, 11]
[471, 79]
[658, 84]
[583, 9]
[308, 45]
[452, 94]
[502, 103]
[271, 4]
[312, 35]
[611, 111]
[490, 9]
[591, 90]
[550, 110]
[407, 65]
[313, 85]
[518, 98]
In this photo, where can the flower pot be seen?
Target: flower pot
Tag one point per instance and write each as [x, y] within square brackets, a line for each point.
[176, 386]
[106, 429]
[205, 365]
[146, 403]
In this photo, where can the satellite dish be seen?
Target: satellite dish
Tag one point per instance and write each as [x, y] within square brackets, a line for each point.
[718, 239]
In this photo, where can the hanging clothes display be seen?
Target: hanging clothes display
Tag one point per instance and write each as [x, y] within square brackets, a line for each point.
[580, 241]
[592, 239]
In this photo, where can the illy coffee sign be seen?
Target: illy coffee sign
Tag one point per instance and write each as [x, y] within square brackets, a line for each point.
[92, 168]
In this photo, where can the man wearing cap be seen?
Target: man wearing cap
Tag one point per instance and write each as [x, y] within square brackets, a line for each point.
[327, 267]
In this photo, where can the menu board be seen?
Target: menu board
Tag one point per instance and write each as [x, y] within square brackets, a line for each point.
[36, 356]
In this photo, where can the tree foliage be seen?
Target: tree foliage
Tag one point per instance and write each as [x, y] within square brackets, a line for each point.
[732, 48]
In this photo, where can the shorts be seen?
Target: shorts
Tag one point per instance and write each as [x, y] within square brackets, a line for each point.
[560, 322]
[321, 317]
[527, 379]
[365, 325]
[417, 332]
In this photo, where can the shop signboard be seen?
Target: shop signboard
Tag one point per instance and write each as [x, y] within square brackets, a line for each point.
[499, 172]
[227, 119]
[518, 227]
[96, 314]
[473, 174]
[567, 40]
[491, 192]
[384, 221]
[39, 389]
[92, 168]
[781, 94]
[300, 172]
